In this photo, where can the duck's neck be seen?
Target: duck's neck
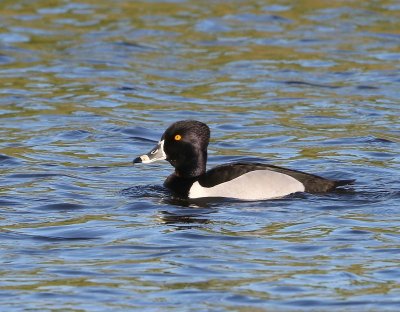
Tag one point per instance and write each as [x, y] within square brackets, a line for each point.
[194, 168]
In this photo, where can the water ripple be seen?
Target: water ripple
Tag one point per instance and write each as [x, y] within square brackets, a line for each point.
[87, 87]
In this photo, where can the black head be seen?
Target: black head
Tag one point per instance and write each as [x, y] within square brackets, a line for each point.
[184, 144]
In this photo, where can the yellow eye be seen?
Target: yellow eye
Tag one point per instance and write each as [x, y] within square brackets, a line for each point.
[177, 137]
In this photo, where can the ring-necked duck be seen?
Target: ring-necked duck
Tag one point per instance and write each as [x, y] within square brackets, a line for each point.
[184, 145]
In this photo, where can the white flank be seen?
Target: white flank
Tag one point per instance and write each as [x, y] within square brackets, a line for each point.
[254, 185]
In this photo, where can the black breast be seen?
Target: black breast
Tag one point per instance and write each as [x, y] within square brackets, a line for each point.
[179, 186]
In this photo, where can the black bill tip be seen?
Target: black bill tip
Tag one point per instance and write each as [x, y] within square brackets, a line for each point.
[137, 160]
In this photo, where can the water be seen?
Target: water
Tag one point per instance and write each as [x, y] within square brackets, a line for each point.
[88, 86]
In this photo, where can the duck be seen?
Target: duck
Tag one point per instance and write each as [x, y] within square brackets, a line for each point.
[184, 145]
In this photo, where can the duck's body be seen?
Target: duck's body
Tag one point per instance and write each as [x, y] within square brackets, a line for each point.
[184, 145]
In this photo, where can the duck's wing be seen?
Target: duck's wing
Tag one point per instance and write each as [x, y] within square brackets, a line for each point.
[312, 183]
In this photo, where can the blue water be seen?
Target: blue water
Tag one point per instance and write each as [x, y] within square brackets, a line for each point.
[88, 86]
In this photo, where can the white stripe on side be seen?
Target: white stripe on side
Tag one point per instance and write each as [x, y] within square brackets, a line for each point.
[254, 185]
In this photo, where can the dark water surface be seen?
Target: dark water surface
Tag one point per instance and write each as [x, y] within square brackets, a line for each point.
[86, 86]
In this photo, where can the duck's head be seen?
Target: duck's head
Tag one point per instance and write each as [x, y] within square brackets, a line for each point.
[184, 145]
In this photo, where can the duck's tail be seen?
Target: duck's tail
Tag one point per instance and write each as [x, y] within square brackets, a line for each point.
[338, 183]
